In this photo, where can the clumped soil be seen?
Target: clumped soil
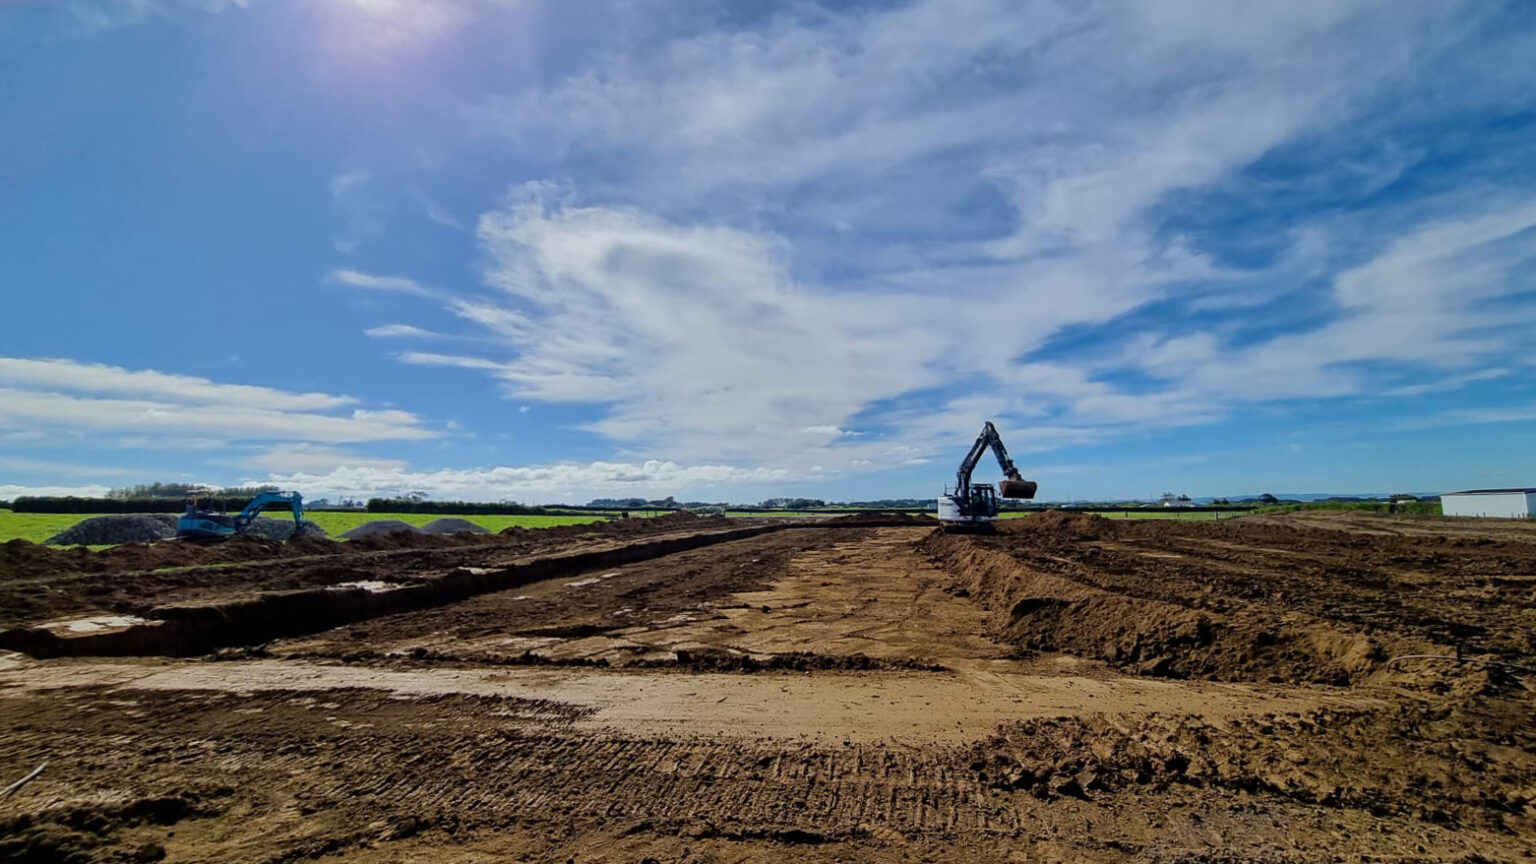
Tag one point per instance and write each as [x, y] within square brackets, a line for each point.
[39, 583]
[1240, 599]
[428, 753]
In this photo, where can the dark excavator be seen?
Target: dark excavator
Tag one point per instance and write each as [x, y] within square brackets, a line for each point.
[974, 505]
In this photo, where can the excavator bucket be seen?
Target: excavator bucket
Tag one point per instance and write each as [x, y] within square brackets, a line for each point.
[1017, 489]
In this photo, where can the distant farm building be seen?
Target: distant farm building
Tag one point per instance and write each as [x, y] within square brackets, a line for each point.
[1171, 500]
[1493, 503]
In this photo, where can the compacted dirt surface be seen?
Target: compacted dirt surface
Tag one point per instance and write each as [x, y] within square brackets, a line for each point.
[1067, 688]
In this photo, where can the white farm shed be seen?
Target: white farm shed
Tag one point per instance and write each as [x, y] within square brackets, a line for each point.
[1497, 503]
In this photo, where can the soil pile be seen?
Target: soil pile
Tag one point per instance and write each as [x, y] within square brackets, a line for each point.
[124, 528]
[379, 526]
[682, 520]
[283, 530]
[1244, 600]
[452, 525]
[1433, 758]
[1062, 523]
[881, 517]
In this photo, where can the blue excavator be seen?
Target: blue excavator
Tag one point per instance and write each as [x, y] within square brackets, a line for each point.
[203, 524]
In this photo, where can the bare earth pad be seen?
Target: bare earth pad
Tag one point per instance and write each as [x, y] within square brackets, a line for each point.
[1062, 690]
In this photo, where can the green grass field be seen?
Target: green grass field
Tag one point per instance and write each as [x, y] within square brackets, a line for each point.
[38, 527]
[340, 521]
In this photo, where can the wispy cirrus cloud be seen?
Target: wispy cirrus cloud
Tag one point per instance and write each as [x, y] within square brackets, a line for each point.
[975, 208]
[373, 282]
[399, 331]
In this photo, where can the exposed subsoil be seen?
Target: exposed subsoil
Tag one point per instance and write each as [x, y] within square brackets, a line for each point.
[1062, 690]
[1320, 599]
[38, 583]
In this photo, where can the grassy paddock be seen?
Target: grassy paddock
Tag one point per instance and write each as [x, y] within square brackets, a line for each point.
[38, 527]
[340, 521]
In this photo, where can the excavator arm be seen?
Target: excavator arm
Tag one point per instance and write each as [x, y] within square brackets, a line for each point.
[1013, 486]
[287, 500]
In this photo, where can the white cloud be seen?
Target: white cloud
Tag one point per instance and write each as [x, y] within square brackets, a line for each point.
[424, 358]
[66, 397]
[61, 374]
[12, 491]
[716, 336]
[317, 459]
[64, 469]
[370, 282]
[560, 482]
[399, 331]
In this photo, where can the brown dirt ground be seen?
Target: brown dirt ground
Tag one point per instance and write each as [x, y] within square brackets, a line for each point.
[1062, 690]
[38, 582]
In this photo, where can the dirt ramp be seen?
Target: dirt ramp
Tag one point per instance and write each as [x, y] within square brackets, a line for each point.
[1152, 636]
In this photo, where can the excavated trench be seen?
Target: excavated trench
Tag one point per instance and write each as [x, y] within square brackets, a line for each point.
[186, 630]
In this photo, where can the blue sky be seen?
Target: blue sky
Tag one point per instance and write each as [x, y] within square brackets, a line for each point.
[556, 250]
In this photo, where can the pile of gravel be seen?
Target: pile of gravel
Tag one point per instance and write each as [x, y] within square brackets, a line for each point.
[452, 525]
[282, 530]
[379, 526]
[124, 528]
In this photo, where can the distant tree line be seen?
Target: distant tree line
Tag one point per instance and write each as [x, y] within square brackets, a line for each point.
[146, 498]
[667, 503]
[73, 504]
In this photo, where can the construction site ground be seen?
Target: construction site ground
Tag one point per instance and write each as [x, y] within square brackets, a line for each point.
[1067, 688]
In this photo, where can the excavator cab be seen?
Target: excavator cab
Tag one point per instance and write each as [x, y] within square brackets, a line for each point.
[983, 499]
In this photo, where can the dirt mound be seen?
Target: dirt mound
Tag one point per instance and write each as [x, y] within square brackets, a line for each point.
[1061, 523]
[716, 660]
[1067, 609]
[681, 520]
[452, 525]
[283, 530]
[882, 517]
[380, 526]
[124, 528]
